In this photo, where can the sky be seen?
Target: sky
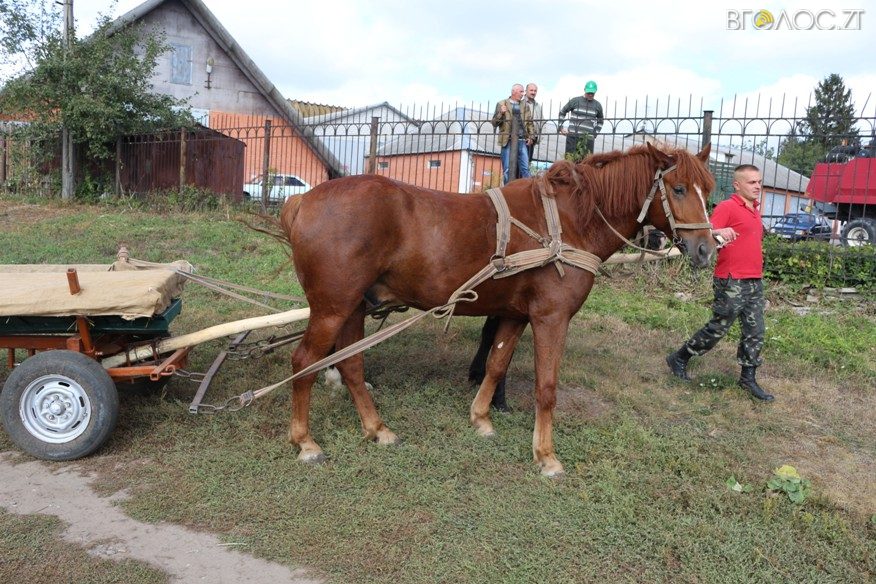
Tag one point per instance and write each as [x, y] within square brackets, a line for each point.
[648, 58]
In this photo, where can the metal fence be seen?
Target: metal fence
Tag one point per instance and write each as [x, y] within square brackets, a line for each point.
[455, 148]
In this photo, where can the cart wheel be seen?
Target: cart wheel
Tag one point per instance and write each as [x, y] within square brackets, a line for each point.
[59, 405]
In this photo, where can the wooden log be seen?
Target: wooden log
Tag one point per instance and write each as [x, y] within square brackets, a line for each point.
[628, 258]
[208, 334]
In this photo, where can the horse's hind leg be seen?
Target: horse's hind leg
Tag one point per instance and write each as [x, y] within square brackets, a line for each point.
[316, 343]
[353, 371]
[478, 368]
[507, 335]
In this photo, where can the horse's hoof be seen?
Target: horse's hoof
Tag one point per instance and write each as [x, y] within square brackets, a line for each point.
[486, 432]
[312, 458]
[387, 438]
[554, 471]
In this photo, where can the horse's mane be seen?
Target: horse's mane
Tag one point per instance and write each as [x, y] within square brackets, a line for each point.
[614, 180]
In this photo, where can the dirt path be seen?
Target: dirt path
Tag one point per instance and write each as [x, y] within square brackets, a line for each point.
[105, 531]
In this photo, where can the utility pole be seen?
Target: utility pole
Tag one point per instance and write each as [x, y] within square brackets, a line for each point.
[67, 186]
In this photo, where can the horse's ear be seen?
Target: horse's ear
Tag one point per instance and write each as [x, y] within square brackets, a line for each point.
[661, 157]
[704, 153]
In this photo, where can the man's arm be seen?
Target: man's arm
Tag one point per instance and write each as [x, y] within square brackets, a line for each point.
[566, 109]
[498, 115]
[720, 224]
[599, 118]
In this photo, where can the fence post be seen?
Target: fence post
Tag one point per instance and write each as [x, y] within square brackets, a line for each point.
[266, 162]
[182, 159]
[707, 127]
[2, 161]
[513, 147]
[118, 189]
[372, 150]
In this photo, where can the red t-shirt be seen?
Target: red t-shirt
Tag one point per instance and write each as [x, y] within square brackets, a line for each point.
[743, 257]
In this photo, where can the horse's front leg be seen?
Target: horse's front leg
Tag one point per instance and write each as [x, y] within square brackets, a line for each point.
[507, 335]
[353, 371]
[549, 338]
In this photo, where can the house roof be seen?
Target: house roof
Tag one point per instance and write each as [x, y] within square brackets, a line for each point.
[246, 65]
[428, 143]
[342, 114]
[775, 176]
[307, 109]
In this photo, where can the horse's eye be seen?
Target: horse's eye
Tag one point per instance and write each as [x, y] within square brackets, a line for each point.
[678, 190]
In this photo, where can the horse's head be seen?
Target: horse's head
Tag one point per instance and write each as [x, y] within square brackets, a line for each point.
[680, 191]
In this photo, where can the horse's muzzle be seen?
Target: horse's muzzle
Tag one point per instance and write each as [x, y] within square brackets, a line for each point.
[698, 249]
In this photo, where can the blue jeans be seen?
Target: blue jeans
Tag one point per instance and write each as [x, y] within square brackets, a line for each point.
[522, 160]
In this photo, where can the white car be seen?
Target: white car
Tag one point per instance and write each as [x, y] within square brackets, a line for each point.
[283, 186]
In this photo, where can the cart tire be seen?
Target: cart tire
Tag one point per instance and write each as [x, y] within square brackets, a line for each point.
[59, 405]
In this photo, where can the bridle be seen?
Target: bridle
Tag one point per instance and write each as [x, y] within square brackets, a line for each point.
[660, 184]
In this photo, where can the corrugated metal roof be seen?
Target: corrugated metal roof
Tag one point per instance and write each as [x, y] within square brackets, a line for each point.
[307, 109]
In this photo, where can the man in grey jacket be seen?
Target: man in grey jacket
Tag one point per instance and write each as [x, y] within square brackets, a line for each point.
[585, 120]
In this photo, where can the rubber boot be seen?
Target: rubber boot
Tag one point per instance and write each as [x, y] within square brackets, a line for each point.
[748, 382]
[677, 362]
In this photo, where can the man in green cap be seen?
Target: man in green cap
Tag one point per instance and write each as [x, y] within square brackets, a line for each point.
[585, 120]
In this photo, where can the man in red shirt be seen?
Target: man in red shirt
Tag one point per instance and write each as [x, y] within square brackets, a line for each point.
[737, 282]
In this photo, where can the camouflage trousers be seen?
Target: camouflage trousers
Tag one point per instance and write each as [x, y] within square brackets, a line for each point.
[742, 299]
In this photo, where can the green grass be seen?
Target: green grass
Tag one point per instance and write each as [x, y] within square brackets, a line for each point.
[31, 551]
[647, 458]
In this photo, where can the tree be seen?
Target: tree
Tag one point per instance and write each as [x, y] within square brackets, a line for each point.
[762, 148]
[829, 122]
[98, 88]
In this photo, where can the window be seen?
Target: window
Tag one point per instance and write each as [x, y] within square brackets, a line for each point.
[293, 181]
[382, 165]
[434, 164]
[181, 64]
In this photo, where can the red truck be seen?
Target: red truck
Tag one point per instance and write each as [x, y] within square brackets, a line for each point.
[846, 186]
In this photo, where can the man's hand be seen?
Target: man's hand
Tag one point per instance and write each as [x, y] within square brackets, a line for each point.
[503, 109]
[728, 234]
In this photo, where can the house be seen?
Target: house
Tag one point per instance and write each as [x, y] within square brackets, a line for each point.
[457, 152]
[348, 133]
[228, 92]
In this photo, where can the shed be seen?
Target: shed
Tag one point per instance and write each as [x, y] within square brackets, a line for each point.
[198, 157]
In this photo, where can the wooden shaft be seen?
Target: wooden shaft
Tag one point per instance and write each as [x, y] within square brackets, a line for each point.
[208, 334]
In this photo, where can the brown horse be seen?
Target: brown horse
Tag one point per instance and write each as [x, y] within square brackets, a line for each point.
[408, 245]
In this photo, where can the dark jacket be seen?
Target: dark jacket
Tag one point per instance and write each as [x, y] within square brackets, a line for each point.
[586, 118]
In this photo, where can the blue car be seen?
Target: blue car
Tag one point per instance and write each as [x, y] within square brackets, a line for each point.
[799, 226]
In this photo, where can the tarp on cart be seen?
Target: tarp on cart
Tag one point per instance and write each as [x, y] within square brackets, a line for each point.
[118, 289]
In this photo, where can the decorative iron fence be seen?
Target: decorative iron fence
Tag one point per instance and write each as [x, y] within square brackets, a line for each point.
[456, 149]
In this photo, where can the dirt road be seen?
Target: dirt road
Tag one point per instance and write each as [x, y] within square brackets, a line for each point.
[99, 526]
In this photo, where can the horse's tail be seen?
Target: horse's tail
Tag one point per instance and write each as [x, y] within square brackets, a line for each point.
[279, 229]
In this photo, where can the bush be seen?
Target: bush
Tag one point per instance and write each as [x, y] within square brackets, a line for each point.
[819, 264]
